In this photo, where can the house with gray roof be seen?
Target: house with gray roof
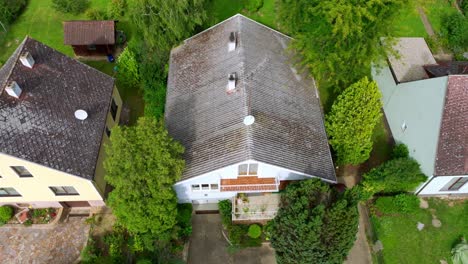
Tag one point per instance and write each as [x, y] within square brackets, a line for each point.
[426, 106]
[55, 115]
[249, 121]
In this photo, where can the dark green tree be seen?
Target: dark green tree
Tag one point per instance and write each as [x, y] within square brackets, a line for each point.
[351, 121]
[454, 27]
[339, 39]
[143, 163]
[10, 10]
[314, 224]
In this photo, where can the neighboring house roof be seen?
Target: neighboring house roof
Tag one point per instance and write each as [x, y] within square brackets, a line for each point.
[40, 126]
[452, 151]
[89, 32]
[413, 55]
[288, 130]
[447, 68]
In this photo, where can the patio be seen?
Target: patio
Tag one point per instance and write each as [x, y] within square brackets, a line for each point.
[255, 206]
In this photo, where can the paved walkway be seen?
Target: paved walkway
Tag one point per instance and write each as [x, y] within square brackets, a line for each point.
[208, 246]
[61, 244]
[360, 252]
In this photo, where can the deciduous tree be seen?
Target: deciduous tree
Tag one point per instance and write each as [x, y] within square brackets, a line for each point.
[143, 162]
[351, 121]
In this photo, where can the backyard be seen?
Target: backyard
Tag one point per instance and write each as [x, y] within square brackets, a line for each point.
[404, 243]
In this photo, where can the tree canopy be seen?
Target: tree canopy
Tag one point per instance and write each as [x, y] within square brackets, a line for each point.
[339, 39]
[314, 224]
[143, 163]
[351, 121]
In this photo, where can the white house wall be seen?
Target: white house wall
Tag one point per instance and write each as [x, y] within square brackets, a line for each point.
[186, 195]
[437, 183]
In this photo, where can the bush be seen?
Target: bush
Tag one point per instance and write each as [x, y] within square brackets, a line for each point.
[386, 205]
[184, 219]
[144, 261]
[96, 14]
[400, 151]
[6, 213]
[28, 222]
[115, 241]
[39, 212]
[128, 72]
[225, 209]
[454, 27]
[116, 8]
[10, 10]
[236, 232]
[253, 5]
[70, 6]
[406, 202]
[90, 252]
[255, 231]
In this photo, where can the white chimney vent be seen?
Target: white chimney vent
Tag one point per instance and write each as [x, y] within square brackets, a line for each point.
[232, 41]
[13, 89]
[249, 120]
[231, 82]
[27, 59]
[81, 114]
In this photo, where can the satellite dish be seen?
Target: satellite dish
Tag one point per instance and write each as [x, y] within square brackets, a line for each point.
[81, 114]
[249, 120]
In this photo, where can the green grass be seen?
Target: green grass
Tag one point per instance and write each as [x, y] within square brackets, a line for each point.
[409, 24]
[219, 10]
[435, 9]
[403, 243]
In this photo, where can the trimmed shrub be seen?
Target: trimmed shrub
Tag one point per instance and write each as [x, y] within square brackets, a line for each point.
[70, 6]
[236, 232]
[184, 219]
[225, 209]
[6, 213]
[255, 231]
[253, 5]
[400, 151]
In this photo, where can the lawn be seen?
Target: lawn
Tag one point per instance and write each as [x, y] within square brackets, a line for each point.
[403, 243]
[435, 9]
[409, 24]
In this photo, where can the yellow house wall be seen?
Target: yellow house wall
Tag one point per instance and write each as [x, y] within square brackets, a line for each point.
[100, 172]
[36, 189]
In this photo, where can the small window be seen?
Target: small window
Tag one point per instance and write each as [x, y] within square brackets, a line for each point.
[113, 109]
[64, 190]
[253, 168]
[92, 47]
[8, 192]
[108, 132]
[458, 184]
[22, 171]
[195, 187]
[205, 187]
[404, 126]
[243, 169]
[214, 186]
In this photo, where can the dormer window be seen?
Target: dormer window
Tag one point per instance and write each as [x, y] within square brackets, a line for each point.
[250, 169]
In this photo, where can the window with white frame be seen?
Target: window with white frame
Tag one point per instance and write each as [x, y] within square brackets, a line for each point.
[214, 186]
[205, 187]
[458, 184]
[250, 169]
[63, 190]
[8, 192]
[195, 187]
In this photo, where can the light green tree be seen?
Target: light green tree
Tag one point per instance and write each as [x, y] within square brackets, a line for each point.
[351, 121]
[339, 39]
[143, 163]
[128, 70]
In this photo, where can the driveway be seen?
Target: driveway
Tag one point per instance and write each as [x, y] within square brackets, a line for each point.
[208, 246]
[60, 244]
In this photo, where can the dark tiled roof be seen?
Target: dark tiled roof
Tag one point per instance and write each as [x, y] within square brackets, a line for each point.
[446, 68]
[40, 126]
[89, 32]
[452, 150]
[288, 129]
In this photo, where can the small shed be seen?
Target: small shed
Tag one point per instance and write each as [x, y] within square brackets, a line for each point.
[90, 37]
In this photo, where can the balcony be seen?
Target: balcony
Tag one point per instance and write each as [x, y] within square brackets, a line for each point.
[259, 207]
[250, 184]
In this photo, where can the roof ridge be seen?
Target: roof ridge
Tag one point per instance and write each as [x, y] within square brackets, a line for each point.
[14, 58]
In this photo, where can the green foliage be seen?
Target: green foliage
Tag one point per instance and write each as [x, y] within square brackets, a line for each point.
[351, 121]
[406, 202]
[464, 6]
[164, 24]
[136, 243]
[115, 241]
[400, 151]
[128, 71]
[96, 14]
[116, 9]
[39, 212]
[253, 5]
[338, 40]
[70, 6]
[144, 261]
[225, 209]
[255, 231]
[394, 176]
[314, 224]
[143, 163]
[90, 252]
[155, 98]
[6, 213]
[454, 27]
[28, 222]
[184, 219]
[10, 10]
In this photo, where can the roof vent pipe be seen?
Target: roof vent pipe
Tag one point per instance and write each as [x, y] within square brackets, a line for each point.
[232, 42]
[27, 59]
[13, 89]
[231, 82]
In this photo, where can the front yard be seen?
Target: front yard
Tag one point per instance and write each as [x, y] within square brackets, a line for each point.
[403, 243]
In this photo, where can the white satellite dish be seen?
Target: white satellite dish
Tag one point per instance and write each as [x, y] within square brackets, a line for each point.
[249, 120]
[81, 114]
